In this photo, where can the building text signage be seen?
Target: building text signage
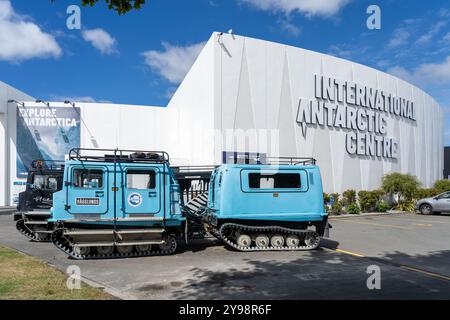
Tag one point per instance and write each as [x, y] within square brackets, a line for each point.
[361, 110]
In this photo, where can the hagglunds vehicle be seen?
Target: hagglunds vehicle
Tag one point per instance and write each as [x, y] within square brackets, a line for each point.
[44, 178]
[130, 203]
[271, 206]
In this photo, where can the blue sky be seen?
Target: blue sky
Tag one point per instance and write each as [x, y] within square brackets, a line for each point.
[141, 57]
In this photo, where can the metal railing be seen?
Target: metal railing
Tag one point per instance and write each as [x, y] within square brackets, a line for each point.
[118, 155]
[47, 164]
[290, 161]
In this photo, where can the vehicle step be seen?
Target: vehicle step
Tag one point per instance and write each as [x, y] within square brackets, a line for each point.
[118, 244]
[110, 231]
[37, 214]
[132, 219]
[36, 222]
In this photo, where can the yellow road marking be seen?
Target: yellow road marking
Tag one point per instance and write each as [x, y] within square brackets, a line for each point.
[376, 224]
[431, 274]
[350, 253]
[422, 224]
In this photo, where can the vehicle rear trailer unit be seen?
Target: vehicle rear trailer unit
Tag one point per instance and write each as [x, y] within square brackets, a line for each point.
[44, 178]
[130, 203]
[271, 206]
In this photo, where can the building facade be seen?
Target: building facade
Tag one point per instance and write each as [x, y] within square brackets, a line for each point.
[447, 163]
[243, 99]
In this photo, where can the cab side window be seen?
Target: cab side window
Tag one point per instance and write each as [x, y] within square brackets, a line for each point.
[88, 178]
[141, 179]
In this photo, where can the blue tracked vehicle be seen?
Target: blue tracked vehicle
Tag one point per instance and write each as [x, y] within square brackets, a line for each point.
[274, 206]
[123, 204]
[44, 178]
[132, 203]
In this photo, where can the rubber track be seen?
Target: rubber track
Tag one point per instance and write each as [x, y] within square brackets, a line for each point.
[30, 234]
[63, 244]
[268, 229]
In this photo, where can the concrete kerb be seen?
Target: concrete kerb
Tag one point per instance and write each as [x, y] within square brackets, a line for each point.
[368, 214]
[4, 211]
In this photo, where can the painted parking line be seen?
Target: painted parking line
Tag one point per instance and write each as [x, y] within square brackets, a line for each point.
[349, 253]
[428, 273]
[422, 224]
[401, 266]
[377, 224]
[420, 220]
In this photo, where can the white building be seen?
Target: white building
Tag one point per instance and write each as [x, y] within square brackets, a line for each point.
[246, 95]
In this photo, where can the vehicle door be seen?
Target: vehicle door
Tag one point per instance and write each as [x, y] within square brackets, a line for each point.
[142, 191]
[443, 202]
[87, 190]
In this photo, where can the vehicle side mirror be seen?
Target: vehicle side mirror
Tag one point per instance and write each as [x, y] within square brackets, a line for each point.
[67, 183]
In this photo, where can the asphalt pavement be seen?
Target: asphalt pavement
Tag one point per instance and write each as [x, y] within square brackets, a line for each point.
[412, 253]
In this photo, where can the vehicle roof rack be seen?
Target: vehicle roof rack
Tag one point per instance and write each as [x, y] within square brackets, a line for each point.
[118, 155]
[302, 161]
[47, 164]
[193, 172]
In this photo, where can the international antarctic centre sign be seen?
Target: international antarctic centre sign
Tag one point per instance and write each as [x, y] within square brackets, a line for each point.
[361, 110]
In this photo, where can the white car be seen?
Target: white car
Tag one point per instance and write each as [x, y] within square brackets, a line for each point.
[437, 204]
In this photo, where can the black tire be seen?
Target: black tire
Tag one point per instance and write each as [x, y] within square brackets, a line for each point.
[426, 209]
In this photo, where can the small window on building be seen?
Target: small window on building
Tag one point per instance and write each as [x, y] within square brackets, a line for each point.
[141, 179]
[87, 178]
[274, 181]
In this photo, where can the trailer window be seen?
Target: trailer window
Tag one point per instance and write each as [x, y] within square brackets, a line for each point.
[141, 179]
[45, 182]
[274, 181]
[87, 178]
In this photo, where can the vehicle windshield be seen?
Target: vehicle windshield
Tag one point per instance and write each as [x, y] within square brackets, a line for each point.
[45, 182]
[445, 195]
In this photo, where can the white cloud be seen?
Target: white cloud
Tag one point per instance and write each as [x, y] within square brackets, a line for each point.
[87, 99]
[289, 27]
[437, 73]
[324, 8]
[426, 38]
[174, 62]
[21, 39]
[446, 38]
[400, 37]
[101, 40]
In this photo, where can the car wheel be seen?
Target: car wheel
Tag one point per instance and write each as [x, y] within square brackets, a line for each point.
[426, 209]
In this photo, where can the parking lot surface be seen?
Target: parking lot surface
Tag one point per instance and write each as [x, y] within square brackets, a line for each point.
[411, 251]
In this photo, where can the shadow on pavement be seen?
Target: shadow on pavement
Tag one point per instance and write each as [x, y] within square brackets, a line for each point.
[318, 274]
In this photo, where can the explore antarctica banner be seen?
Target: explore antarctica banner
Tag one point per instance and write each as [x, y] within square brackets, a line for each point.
[45, 133]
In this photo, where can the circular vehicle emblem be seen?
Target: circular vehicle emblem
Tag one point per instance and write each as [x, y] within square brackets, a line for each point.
[135, 199]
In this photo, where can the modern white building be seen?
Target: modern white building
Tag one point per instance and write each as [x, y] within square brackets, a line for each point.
[247, 96]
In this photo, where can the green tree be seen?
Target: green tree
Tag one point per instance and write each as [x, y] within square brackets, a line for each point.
[368, 200]
[349, 197]
[442, 185]
[403, 185]
[121, 6]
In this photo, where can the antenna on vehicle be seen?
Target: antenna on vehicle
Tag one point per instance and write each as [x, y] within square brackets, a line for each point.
[93, 140]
